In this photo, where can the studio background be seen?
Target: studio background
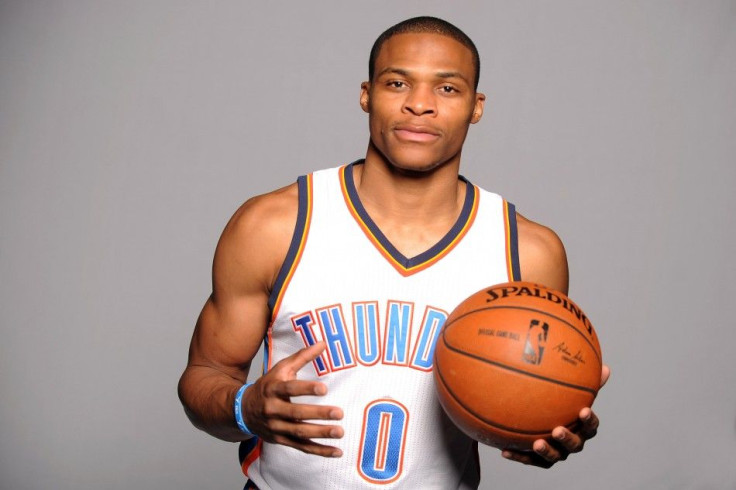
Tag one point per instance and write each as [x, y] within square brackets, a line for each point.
[130, 132]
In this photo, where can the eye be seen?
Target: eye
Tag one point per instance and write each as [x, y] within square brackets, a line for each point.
[448, 89]
[396, 84]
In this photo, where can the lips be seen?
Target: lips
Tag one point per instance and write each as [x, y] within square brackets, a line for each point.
[413, 133]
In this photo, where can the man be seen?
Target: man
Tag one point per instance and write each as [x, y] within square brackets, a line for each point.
[347, 276]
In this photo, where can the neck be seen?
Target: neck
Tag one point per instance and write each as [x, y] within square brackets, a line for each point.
[390, 193]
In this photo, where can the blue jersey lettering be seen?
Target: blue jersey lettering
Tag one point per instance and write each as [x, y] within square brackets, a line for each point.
[304, 324]
[398, 329]
[431, 327]
[365, 321]
[334, 333]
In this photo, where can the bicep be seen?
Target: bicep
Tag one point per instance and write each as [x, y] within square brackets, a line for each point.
[250, 252]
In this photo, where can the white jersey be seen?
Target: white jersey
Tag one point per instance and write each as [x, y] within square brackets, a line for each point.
[380, 314]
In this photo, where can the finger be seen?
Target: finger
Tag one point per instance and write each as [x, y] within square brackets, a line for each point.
[548, 452]
[296, 387]
[567, 440]
[590, 423]
[309, 447]
[305, 431]
[605, 374]
[285, 410]
[527, 458]
[302, 357]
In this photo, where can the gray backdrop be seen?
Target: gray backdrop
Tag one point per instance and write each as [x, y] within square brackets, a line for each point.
[131, 130]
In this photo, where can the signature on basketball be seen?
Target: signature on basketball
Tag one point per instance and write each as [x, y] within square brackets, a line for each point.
[568, 356]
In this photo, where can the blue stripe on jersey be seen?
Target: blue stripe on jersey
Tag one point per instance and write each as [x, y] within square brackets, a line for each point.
[513, 244]
[301, 222]
[427, 255]
[246, 447]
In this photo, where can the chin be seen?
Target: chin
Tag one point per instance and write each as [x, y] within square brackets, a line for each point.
[413, 159]
[417, 163]
[414, 168]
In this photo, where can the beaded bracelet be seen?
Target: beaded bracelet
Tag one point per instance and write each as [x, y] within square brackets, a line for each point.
[239, 410]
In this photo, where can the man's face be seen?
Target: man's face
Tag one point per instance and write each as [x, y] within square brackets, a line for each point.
[421, 101]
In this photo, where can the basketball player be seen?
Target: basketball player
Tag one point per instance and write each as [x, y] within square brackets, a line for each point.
[348, 275]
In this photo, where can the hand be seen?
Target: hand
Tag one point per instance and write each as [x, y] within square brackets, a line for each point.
[563, 442]
[270, 414]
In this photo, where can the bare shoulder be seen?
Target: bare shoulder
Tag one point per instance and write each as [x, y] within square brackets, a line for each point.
[542, 256]
[255, 241]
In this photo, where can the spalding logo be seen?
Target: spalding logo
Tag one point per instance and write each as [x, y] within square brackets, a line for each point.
[536, 339]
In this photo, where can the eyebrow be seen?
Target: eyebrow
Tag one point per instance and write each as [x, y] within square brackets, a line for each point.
[451, 74]
[406, 73]
[396, 71]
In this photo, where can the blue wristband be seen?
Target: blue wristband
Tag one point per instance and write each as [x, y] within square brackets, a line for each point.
[239, 410]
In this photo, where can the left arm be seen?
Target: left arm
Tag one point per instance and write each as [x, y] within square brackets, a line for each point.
[543, 260]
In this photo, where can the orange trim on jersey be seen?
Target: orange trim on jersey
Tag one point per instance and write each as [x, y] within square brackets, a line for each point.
[252, 456]
[407, 271]
[295, 259]
[300, 251]
[268, 362]
[507, 244]
[512, 244]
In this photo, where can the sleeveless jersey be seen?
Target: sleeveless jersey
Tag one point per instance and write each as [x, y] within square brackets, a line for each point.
[380, 314]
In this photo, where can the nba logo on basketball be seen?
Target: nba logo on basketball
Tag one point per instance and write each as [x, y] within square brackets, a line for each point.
[536, 338]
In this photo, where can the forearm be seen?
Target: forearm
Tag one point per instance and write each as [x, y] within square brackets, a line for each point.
[208, 396]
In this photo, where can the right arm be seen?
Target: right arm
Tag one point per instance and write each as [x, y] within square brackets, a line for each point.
[230, 330]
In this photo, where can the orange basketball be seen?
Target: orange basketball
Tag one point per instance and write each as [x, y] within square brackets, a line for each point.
[514, 361]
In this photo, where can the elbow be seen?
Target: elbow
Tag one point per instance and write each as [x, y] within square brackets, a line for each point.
[184, 391]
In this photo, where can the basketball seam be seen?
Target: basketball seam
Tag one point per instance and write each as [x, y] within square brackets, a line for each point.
[592, 347]
[519, 371]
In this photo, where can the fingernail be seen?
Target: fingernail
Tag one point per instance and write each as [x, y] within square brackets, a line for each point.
[335, 414]
[560, 436]
[542, 448]
[337, 453]
[335, 433]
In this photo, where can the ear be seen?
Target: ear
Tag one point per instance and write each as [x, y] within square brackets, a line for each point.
[365, 88]
[480, 100]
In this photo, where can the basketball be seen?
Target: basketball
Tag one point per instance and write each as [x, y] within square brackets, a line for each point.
[514, 361]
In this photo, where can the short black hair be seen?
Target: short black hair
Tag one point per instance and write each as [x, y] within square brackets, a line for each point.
[424, 25]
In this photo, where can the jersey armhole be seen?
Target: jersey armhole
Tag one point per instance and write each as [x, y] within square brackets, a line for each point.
[512, 242]
[298, 239]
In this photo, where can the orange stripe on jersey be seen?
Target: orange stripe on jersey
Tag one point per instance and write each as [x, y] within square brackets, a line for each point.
[512, 242]
[295, 255]
[448, 242]
[252, 456]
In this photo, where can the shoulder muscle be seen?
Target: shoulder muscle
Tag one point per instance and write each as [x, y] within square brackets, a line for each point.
[542, 255]
[255, 242]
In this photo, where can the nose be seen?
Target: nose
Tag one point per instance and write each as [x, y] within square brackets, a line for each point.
[420, 101]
